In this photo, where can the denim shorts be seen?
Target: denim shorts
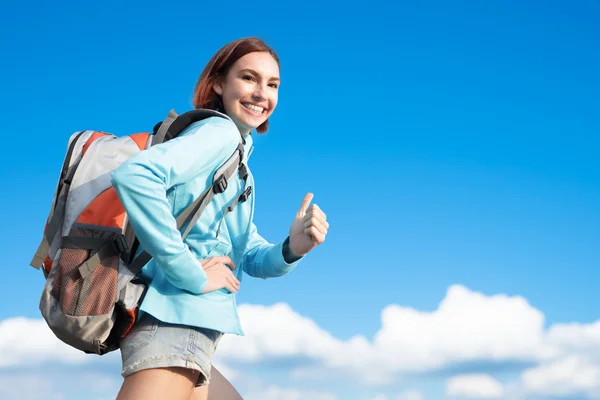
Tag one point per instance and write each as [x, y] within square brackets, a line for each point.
[156, 344]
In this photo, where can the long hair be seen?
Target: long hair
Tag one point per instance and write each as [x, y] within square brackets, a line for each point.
[217, 68]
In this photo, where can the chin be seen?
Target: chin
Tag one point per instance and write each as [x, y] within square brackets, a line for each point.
[253, 125]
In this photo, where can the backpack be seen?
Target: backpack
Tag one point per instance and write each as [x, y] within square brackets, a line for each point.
[88, 252]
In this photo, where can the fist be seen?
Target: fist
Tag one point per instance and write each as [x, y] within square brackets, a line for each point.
[309, 227]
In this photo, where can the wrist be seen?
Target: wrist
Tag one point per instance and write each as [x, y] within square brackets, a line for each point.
[288, 255]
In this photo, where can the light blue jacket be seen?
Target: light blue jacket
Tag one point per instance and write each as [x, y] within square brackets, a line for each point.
[159, 183]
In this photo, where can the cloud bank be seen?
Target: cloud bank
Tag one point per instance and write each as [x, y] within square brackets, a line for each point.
[466, 327]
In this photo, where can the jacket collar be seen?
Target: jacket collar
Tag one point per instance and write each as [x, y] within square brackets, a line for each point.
[248, 145]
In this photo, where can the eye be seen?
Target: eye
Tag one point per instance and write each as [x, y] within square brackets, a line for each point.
[274, 85]
[248, 78]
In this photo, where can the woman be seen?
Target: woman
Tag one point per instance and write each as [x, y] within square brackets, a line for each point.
[190, 301]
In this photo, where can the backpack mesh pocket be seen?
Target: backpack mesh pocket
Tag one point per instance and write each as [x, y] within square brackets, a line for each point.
[96, 293]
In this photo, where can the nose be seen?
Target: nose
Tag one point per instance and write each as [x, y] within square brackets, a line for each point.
[259, 93]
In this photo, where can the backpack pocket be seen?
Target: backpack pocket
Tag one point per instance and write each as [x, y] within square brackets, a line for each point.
[85, 283]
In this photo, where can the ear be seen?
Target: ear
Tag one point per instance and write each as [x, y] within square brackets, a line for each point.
[218, 88]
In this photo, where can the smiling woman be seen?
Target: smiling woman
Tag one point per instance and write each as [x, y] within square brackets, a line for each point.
[192, 282]
[250, 96]
[241, 80]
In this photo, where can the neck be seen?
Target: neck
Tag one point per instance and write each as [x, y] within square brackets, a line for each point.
[243, 131]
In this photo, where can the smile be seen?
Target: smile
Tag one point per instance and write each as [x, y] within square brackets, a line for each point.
[255, 109]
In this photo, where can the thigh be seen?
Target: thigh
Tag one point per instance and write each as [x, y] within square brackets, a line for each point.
[220, 388]
[200, 393]
[159, 383]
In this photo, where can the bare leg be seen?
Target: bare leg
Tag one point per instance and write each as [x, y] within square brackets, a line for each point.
[200, 393]
[159, 383]
[219, 389]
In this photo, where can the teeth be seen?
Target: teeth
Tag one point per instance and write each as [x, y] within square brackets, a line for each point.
[254, 108]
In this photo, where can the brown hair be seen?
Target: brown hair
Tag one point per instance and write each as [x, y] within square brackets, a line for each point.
[218, 67]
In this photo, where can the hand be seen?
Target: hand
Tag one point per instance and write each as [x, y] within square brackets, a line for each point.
[309, 227]
[218, 270]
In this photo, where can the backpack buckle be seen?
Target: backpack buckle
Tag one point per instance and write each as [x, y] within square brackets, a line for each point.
[244, 196]
[220, 184]
[243, 171]
[120, 244]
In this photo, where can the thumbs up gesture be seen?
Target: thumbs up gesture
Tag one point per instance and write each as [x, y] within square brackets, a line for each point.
[309, 227]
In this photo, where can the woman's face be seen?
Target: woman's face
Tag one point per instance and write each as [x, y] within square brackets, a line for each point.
[250, 90]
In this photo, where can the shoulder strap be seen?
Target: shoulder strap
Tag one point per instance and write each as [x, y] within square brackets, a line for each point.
[172, 126]
[220, 179]
[191, 214]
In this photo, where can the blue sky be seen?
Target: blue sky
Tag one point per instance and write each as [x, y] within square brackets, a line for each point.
[451, 146]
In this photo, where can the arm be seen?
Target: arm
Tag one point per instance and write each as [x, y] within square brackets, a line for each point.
[142, 183]
[262, 259]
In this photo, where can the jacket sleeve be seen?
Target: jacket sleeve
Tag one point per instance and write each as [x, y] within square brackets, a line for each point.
[142, 183]
[262, 259]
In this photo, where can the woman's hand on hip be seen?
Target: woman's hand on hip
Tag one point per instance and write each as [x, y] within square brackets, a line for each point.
[309, 227]
[218, 270]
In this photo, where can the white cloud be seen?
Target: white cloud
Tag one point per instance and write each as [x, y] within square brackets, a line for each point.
[29, 388]
[277, 393]
[581, 339]
[410, 395]
[467, 326]
[474, 386]
[571, 363]
[406, 395]
[53, 385]
[573, 375]
[30, 342]
[275, 331]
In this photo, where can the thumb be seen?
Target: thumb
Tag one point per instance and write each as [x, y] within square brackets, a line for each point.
[305, 203]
